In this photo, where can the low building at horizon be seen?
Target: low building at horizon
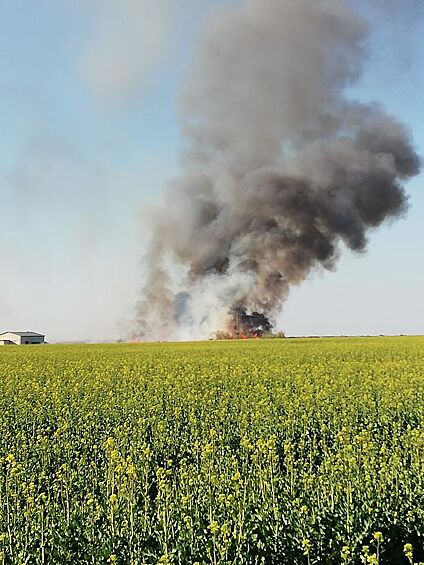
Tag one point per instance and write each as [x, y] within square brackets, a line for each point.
[21, 338]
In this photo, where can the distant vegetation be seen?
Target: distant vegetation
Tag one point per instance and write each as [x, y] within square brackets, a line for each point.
[261, 451]
[223, 334]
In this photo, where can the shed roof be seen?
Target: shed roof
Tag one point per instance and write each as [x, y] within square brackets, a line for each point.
[24, 334]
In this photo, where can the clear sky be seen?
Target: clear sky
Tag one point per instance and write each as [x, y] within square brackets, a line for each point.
[89, 135]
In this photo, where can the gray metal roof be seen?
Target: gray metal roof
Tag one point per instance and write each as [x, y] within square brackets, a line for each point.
[24, 334]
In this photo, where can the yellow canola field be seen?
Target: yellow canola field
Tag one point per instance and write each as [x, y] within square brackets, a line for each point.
[266, 451]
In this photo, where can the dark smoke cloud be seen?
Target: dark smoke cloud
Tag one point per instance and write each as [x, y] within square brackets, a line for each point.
[279, 166]
[247, 325]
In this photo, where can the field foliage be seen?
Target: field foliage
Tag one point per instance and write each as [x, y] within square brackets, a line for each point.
[279, 451]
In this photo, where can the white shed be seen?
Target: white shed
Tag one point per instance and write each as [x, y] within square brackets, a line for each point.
[21, 338]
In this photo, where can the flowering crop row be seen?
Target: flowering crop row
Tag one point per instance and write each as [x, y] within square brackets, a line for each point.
[277, 451]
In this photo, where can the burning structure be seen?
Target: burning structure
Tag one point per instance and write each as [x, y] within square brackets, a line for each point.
[244, 325]
[280, 168]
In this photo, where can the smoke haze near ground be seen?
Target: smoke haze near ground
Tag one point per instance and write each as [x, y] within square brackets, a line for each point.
[279, 167]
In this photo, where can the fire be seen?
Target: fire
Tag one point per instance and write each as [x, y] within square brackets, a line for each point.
[242, 325]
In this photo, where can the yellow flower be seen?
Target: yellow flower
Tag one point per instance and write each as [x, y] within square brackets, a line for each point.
[378, 536]
[345, 552]
[408, 551]
[208, 449]
[214, 527]
[306, 546]
[113, 499]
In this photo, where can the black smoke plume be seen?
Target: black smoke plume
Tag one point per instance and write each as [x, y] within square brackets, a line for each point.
[280, 167]
[248, 325]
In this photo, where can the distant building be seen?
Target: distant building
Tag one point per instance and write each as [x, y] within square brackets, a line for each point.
[21, 338]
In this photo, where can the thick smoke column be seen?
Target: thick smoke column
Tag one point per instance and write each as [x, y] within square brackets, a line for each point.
[280, 167]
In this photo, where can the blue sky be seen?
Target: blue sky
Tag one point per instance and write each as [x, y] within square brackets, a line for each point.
[89, 136]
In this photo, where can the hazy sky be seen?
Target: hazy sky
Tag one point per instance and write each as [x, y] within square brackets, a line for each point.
[89, 136]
